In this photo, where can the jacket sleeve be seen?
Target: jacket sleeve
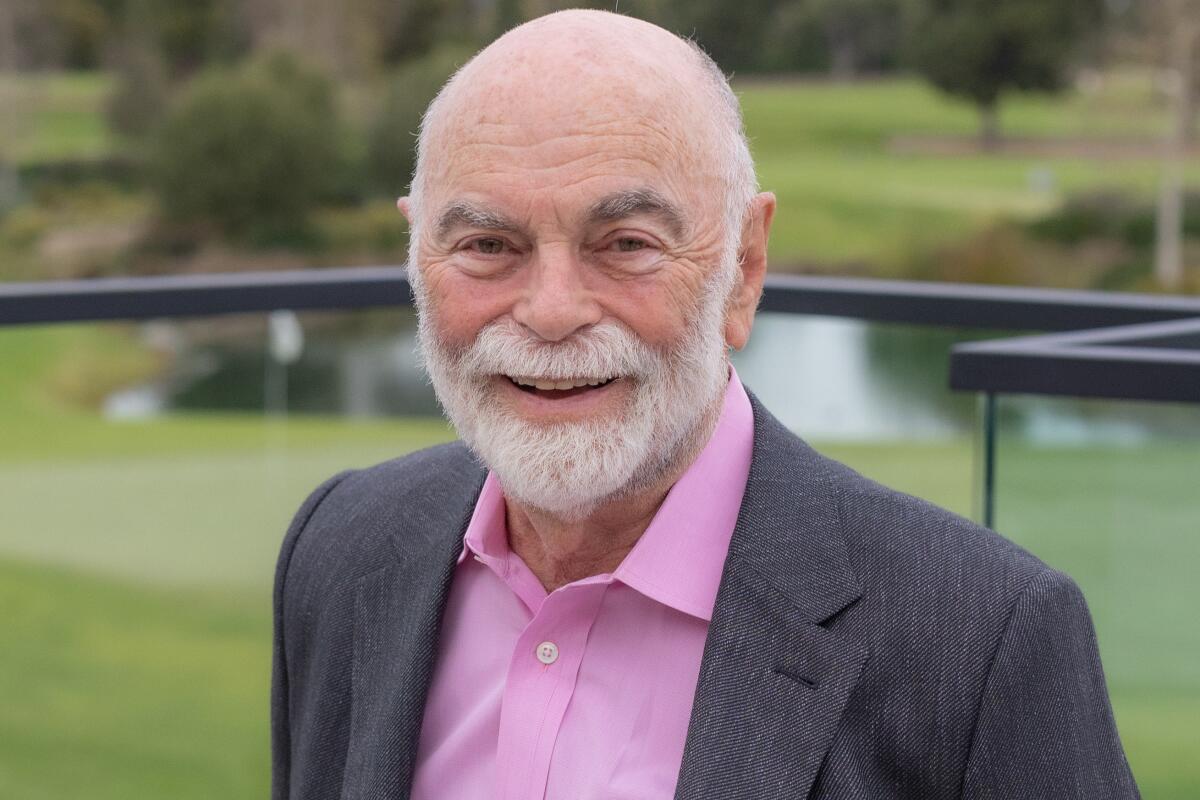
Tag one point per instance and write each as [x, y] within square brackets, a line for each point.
[1045, 727]
[281, 690]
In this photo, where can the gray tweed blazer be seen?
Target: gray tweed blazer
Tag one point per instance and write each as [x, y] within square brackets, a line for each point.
[864, 643]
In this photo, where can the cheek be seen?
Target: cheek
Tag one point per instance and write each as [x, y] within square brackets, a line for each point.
[462, 305]
[659, 312]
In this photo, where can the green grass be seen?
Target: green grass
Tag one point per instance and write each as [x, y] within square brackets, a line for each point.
[59, 116]
[45, 369]
[845, 195]
[115, 690]
[135, 568]
[865, 115]
[181, 515]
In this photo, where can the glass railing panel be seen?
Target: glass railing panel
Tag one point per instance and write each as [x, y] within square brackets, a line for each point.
[872, 395]
[1107, 492]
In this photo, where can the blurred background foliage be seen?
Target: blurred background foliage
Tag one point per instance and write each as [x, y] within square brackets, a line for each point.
[1035, 142]
[905, 138]
[247, 153]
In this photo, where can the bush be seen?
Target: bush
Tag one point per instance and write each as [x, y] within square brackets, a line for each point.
[1093, 215]
[391, 144]
[1005, 254]
[1114, 216]
[249, 152]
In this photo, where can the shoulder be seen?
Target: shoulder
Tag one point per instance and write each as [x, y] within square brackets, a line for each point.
[929, 573]
[890, 538]
[896, 538]
[420, 482]
[923, 573]
[941, 594]
[360, 520]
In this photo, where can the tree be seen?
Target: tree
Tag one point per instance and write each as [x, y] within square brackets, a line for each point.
[732, 33]
[980, 49]
[391, 141]
[858, 35]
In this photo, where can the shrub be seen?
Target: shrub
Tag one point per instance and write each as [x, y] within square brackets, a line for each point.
[391, 144]
[1006, 254]
[249, 152]
[1092, 215]
[1111, 215]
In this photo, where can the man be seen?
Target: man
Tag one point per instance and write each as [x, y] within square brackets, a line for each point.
[629, 580]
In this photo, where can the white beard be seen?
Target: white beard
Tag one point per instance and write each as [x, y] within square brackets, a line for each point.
[569, 469]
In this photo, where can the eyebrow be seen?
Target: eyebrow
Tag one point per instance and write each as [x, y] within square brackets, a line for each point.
[636, 202]
[471, 215]
[612, 208]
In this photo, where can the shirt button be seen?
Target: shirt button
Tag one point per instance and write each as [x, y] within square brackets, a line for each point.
[547, 652]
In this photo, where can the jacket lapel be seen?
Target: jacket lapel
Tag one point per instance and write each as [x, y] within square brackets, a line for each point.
[773, 680]
[398, 611]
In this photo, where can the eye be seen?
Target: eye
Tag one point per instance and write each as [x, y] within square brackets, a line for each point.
[628, 244]
[488, 246]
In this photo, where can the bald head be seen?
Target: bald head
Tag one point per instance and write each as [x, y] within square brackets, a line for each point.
[608, 74]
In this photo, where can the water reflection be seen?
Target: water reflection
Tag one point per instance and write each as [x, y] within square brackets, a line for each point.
[843, 379]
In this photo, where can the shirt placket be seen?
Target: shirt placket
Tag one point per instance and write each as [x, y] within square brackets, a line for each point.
[540, 682]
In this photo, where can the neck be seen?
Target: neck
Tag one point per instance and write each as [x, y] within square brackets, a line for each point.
[560, 551]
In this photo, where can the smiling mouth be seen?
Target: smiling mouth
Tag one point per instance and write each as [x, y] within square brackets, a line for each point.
[558, 388]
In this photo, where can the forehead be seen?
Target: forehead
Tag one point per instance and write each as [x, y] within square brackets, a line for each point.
[533, 137]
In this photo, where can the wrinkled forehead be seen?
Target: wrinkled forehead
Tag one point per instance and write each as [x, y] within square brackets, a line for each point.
[576, 121]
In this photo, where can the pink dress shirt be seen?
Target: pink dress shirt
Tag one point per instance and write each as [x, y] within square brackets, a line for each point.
[584, 693]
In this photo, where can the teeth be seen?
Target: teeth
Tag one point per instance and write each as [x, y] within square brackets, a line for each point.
[547, 384]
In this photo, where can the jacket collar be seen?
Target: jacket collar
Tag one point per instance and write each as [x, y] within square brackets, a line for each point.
[789, 529]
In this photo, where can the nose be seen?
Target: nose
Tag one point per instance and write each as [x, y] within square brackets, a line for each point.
[556, 303]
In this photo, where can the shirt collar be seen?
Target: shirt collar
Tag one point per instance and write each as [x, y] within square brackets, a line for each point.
[679, 559]
[487, 533]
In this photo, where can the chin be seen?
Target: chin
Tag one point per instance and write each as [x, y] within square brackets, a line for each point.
[570, 468]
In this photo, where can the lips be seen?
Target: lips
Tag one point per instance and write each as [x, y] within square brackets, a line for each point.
[559, 388]
[559, 384]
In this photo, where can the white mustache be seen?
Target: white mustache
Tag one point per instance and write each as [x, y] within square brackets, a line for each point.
[605, 350]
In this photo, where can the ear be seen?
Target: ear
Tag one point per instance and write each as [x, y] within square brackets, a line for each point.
[752, 256]
[405, 206]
